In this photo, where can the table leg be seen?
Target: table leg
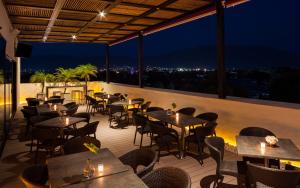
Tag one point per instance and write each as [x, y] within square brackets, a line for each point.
[182, 144]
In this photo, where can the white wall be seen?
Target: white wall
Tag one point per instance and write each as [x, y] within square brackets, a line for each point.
[7, 31]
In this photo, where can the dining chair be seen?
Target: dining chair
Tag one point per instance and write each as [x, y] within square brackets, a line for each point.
[259, 132]
[70, 105]
[198, 138]
[154, 108]
[164, 137]
[260, 176]
[145, 158]
[72, 110]
[76, 144]
[187, 111]
[118, 114]
[208, 116]
[145, 106]
[141, 127]
[85, 115]
[35, 176]
[32, 101]
[231, 168]
[167, 177]
[27, 114]
[87, 130]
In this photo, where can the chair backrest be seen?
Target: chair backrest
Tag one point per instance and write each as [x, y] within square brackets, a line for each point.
[42, 134]
[117, 94]
[75, 145]
[256, 131]
[216, 148]
[115, 108]
[272, 177]
[88, 129]
[85, 115]
[55, 101]
[187, 111]
[137, 157]
[55, 97]
[167, 177]
[138, 99]
[72, 110]
[32, 101]
[139, 120]
[208, 116]
[70, 105]
[202, 132]
[27, 113]
[145, 106]
[35, 176]
[154, 108]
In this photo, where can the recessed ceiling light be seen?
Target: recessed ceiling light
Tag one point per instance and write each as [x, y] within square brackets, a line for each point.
[74, 37]
[102, 14]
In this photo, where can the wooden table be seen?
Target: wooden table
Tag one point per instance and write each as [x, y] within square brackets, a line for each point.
[44, 108]
[250, 146]
[59, 122]
[66, 171]
[182, 122]
[105, 96]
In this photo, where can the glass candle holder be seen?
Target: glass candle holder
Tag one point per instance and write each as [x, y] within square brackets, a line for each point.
[177, 116]
[100, 167]
[55, 107]
[67, 120]
[129, 101]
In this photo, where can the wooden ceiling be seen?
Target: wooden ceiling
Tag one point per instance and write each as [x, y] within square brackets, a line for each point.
[58, 20]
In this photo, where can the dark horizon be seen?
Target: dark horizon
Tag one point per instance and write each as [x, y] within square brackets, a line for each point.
[254, 23]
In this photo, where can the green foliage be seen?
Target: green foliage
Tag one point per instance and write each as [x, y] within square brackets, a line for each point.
[86, 71]
[174, 105]
[66, 75]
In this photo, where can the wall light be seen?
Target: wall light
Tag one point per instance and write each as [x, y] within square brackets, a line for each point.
[102, 14]
[74, 37]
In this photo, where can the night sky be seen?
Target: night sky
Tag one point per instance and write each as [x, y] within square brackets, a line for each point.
[270, 23]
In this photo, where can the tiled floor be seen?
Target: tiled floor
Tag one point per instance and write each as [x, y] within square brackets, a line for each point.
[16, 155]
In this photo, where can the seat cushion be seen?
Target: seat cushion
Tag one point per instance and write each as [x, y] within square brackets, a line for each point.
[229, 168]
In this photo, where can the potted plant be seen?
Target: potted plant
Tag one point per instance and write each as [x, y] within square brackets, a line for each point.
[85, 72]
[66, 76]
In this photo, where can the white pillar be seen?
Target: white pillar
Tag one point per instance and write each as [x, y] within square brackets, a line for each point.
[18, 78]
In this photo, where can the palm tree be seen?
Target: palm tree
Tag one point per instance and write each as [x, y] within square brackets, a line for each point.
[85, 72]
[39, 77]
[66, 75]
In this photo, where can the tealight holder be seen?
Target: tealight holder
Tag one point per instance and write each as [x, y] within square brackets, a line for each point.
[100, 167]
[67, 120]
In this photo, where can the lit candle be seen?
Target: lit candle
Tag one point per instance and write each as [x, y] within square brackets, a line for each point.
[129, 101]
[262, 145]
[177, 116]
[67, 120]
[100, 167]
[55, 107]
[108, 96]
[46, 98]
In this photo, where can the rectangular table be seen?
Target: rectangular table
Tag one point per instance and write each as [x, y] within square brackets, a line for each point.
[44, 108]
[182, 122]
[59, 122]
[249, 146]
[66, 171]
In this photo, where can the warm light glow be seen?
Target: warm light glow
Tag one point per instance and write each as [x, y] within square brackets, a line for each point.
[262, 145]
[74, 37]
[108, 96]
[44, 39]
[102, 14]
[100, 167]
[67, 121]
[55, 107]
[177, 116]
[129, 101]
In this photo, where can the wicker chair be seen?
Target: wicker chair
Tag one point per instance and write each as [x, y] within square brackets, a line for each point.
[140, 123]
[260, 132]
[154, 108]
[208, 116]
[85, 115]
[144, 157]
[35, 176]
[28, 113]
[164, 137]
[118, 114]
[32, 101]
[48, 139]
[167, 177]
[70, 105]
[216, 149]
[145, 106]
[75, 145]
[187, 111]
[200, 134]
[136, 107]
[272, 177]
[55, 101]
[87, 130]
[95, 105]
[72, 110]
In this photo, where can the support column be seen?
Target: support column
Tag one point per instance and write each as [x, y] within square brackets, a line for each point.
[221, 49]
[107, 62]
[18, 80]
[141, 59]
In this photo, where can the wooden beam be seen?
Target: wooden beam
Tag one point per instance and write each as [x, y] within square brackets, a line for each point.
[58, 6]
[221, 49]
[141, 59]
[107, 63]
[96, 18]
[150, 11]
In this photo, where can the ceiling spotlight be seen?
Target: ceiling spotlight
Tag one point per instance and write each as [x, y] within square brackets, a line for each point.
[102, 14]
[74, 37]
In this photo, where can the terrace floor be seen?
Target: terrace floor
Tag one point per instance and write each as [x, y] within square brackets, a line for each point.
[16, 155]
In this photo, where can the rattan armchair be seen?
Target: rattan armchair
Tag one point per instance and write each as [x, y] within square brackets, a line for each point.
[271, 177]
[75, 145]
[35, 176]
[141, 126]
[187, 111]
[167, 177]
[140, 157]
